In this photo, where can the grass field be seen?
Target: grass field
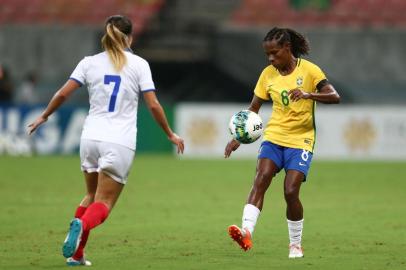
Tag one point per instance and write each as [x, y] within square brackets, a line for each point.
[173, 214]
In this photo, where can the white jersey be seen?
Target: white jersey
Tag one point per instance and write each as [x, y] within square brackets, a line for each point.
[113, 97]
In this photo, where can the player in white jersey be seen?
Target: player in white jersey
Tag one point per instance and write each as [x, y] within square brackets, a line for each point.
[114, 79]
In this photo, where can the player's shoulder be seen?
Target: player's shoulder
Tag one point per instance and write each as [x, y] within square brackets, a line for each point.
[270, 71]
[132, 57]
[308, 65]
[95, 57]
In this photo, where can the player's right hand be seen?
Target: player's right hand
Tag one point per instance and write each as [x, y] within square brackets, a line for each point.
[33, 126]
[178, 141]
[231, 146]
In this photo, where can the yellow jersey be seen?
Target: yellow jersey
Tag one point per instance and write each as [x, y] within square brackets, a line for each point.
[292, 124]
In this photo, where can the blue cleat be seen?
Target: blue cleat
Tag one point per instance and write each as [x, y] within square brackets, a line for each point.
[73, 238]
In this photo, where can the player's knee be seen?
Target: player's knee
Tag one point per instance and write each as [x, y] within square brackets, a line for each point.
[291, 194]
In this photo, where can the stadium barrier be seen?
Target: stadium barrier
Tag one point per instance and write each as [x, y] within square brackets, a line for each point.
[343, 132]
[61, 134]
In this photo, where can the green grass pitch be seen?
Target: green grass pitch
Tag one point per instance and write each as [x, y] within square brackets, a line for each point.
[173, 214]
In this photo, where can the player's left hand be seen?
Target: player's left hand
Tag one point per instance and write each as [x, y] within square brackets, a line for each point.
[297, 94]
[33, 126]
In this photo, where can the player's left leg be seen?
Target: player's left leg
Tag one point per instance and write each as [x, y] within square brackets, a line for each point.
[292, 184]
[82, 262]
[297, 166]
[77, 237]
[294, 212]
[91, 180]
[107, 194]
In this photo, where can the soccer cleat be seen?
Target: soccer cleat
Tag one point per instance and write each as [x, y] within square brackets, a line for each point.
[72, 240]
[82, 262]
[295, 251]
[241, 236]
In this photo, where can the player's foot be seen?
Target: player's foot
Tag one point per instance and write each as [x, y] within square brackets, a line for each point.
[82, 262]
[295, 251]
[72, 240]
[241, 236]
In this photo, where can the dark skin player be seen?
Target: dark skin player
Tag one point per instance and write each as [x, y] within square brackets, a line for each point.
[282, 58]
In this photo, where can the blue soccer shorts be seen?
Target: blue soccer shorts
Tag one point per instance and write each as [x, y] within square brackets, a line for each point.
[286, 158]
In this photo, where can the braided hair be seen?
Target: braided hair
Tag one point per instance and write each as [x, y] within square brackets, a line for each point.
[299, 44]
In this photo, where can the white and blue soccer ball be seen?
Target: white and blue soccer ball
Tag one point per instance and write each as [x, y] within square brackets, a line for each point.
[246, 126]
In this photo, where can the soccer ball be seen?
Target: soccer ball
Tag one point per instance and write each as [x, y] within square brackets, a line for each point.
[245, 126]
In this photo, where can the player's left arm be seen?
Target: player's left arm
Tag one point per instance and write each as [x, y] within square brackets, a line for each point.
[57, 100]
[326, 93]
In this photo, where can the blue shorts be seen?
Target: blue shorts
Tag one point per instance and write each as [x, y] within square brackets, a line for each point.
[286, 157]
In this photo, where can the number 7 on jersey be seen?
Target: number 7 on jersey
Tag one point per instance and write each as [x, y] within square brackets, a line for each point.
[116, 79]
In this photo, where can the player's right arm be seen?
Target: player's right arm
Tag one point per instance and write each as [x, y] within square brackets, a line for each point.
[159, 115]
[233, 145]
[256, 104]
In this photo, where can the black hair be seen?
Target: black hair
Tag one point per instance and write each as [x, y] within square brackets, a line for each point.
[299, 44]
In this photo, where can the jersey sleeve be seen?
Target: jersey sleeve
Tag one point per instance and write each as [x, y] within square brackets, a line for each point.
[145, 78]
[318, 75]
[261, 87]
[79, 73]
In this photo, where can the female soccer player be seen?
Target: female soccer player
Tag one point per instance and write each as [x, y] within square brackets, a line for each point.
[114, 79]
[294, 85]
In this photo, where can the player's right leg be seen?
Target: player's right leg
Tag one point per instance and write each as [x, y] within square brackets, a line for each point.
[113, 167]
[266, 169]
[241, 236]
[107, 194]
[113, 163]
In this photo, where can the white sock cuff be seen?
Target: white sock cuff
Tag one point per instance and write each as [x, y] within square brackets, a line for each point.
[249, 217]
[297, 222]
[252, 209]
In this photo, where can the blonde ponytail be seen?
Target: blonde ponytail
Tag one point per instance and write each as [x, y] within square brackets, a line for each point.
[115, 42]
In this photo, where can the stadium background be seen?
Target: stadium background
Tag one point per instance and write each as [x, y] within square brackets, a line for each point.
[210, 52]
[205, 57]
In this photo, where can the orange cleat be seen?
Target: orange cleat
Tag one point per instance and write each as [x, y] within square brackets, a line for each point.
[241, 236]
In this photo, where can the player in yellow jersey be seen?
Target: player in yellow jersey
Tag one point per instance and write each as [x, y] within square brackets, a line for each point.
[293, 85]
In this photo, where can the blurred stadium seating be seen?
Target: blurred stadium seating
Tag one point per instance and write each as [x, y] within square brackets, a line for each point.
[358, 43]
[78, 12]
[327, 13]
